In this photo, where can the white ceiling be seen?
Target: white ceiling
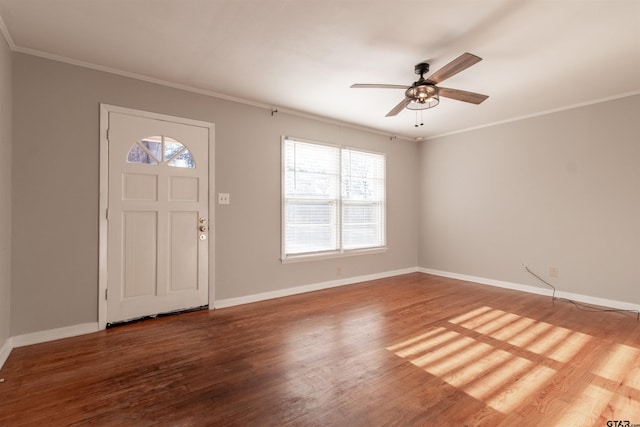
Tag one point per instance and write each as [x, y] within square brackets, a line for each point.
[302, 55]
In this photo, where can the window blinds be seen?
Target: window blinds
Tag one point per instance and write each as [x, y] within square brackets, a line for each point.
[363, 199]
[333, 199]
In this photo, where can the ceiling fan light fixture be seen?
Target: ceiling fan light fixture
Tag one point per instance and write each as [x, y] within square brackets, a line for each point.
[423, 96]
[430, 103]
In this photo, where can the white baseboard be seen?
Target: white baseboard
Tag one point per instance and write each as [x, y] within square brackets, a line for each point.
[603, 302]
[490, 282]
[586, 299]
[5, 350]
[44, 336]
[54, 334]
[230, 302]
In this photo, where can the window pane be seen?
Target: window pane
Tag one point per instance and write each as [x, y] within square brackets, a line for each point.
[154, 145]
[362, 175]
[171, 147]
[310, 226]
[138, 155]
[183, 160]
[311, 171]
[362, 189]
[360, 213]
[361, 236]
[362, 225]
[363, 195]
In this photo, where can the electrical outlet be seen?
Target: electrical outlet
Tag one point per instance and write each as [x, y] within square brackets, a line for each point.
[224, 199]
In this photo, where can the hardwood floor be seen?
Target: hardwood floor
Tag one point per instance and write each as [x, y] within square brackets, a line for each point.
[410, 350]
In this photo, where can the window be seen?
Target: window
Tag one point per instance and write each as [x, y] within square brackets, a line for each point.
[333, 199]
[154, 150]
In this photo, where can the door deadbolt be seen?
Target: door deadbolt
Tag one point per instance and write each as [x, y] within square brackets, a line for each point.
[203, 220]
[203, 228]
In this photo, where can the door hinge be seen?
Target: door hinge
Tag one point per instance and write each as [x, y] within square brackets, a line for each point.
[107, 215]
[106, 294]
[108, 134]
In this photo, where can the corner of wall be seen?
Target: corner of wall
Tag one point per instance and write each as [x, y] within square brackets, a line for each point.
[6, 160]
[5, 351]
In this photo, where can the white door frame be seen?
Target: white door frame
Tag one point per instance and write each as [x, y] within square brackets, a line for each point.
[105, 109]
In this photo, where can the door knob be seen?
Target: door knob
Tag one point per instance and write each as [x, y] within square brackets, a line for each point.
[203, 228]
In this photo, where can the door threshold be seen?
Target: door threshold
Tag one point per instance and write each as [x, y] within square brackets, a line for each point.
[155, 316]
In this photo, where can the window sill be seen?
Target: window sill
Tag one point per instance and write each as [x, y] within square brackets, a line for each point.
[332, 255]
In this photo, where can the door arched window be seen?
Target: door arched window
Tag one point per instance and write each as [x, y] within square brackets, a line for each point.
[154, 150]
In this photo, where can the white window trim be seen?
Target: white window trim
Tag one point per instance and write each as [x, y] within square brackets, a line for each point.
[317, 256]
[340, 253]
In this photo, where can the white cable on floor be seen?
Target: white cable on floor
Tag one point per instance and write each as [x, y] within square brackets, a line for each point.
[581, 306]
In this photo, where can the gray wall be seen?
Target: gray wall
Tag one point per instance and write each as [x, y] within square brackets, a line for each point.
[55, 185]
[560, 190]
[5, 189]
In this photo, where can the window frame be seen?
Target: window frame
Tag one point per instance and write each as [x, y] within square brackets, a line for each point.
[340, 252]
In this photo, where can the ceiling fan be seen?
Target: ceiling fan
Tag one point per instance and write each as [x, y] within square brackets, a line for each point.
[424, 93]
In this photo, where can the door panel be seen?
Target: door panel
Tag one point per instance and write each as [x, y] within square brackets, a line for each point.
[139, 260]
[138, 186]
[183, 262]
[183, 189]
[157, 255]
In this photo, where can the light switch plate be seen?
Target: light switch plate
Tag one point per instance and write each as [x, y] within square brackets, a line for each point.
[224, 199]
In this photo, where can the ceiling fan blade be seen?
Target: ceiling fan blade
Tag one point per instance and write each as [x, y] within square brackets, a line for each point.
[395, 110]
[462, 95]
[462, 62]
[378, 86]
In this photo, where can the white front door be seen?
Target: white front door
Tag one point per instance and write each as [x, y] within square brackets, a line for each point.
[157, 217]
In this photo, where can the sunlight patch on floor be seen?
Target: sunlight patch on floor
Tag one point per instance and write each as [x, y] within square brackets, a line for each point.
[618, 362]
[501, 358]
[632, 379]
[473, 354]
[428, 343]
[521, 388]
[542, 338]
[417, 339]
[470, 314]
[586, 408]
[497, 324]
[627, 396]
[481, 320]
[514, 329]
[570, 346]
[452, 349]
[545, 343]
[534, 332]
[496, 380]
[467, 372]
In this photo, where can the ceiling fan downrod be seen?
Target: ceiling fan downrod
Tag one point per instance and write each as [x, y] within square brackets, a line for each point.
[421, 69]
